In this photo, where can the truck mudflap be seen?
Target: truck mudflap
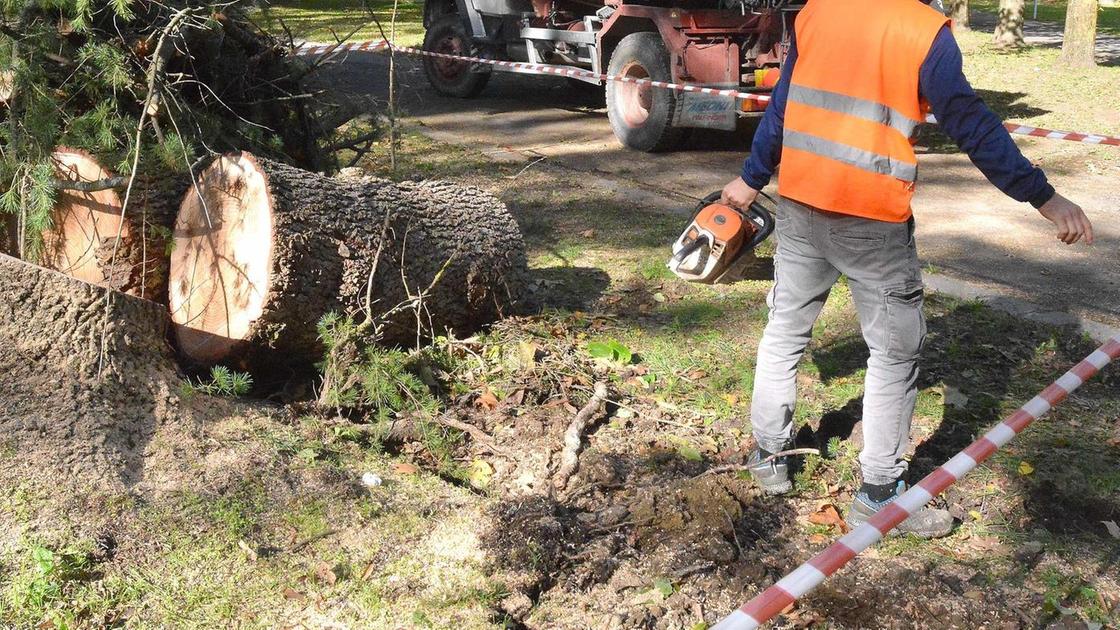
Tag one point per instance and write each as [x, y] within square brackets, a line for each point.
[709, 111]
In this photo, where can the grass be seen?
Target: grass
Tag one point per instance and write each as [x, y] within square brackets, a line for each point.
[1108, 16]
[1033, 87]
[330, 20]
[698, 344]
[293, 539]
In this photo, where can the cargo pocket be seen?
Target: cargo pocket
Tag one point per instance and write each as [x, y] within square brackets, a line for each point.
[906, 321]
[857, 240]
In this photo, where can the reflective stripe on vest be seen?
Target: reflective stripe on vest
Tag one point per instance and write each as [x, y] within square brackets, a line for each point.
[849, 155]
[852, 106]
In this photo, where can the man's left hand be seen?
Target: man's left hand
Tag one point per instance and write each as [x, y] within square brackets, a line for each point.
[738, 194]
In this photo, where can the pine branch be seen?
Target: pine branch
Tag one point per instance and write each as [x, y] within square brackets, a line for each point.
[91, 186]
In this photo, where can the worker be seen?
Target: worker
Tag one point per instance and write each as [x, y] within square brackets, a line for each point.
[856, 83]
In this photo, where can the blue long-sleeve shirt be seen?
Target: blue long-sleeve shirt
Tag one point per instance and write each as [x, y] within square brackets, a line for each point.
[960, 113]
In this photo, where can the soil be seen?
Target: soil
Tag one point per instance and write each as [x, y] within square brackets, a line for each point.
[641, 537]
[644, 538]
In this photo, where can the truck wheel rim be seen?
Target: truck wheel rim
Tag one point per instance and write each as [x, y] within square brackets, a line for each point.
[635, 100]
[449, 69]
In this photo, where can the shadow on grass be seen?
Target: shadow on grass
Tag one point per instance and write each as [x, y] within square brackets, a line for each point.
[1006, 105]
[989, 362]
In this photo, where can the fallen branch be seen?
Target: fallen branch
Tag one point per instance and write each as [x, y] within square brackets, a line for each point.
[573, 437]
[738, 467]
[94, 186]
[477, 434]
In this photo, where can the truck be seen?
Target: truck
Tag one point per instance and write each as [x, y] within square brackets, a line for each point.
[737, 44]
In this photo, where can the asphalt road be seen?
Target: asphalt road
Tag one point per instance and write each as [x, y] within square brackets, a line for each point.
[967, 230]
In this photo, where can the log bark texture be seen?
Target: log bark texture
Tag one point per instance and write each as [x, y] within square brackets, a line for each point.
[83, 236]
[1079, 43]
[58, 410]
[286, 246]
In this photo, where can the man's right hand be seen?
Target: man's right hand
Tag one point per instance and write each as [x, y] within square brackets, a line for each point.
[1069, 218]
[738, 194]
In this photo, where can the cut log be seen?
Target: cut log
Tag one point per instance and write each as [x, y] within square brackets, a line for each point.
[262, 251]
[84, 229]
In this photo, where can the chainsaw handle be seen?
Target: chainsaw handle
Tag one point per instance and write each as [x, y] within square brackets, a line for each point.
[757, 214]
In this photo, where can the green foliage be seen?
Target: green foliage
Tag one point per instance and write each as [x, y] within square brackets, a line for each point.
[362, 376]
[42, 585]
[223, 382]
[610, 350]
[81, 73]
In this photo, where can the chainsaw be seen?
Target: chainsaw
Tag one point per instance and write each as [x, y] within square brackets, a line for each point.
[718, 237]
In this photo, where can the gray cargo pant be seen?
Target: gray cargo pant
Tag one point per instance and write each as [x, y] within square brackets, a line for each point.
[881, 264]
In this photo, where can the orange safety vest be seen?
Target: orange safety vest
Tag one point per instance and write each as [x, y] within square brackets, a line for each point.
[853, 106]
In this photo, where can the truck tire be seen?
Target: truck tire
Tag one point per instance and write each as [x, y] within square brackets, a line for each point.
[642, 115]
[448, 76]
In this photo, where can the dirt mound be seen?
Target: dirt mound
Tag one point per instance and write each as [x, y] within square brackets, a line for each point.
[646, 535]
[89, 379]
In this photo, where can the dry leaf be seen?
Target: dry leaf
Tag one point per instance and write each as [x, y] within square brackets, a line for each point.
[1113, 528]
[986, 544]
[817, 539]
[1025, 468]
[588, 233]
[405, 468]
[527, 354]
[827, 514]
[697, 374]
[325, 573]
[369, 571]
[291, 593]
[249, 551]
[486, 400]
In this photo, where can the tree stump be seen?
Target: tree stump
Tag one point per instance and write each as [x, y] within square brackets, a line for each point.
[83, 236]
[262, 251]
[88, 375]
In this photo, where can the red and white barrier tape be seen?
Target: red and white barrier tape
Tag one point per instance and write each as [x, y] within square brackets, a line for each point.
[537, 68]
[776, 598]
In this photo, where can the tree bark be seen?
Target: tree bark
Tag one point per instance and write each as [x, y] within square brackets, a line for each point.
[285, 246]
[958, 13]
[82, 240]
[1009, 24]
[1080, 41]
[88, 374]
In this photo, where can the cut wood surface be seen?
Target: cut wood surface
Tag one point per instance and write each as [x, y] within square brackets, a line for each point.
[83, 235]
[263, 250]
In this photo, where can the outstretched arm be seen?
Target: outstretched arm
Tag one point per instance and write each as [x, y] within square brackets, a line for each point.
[979, 132]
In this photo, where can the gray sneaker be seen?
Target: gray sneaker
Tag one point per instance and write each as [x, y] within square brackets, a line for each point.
[927, 523]
[772, 475]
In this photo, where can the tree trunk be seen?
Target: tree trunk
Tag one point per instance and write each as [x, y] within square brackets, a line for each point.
[282, 247]
[1009, 24]
[958, 13]
[82, 239]
[88, 375]
[1080, 41]
[8, 234]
